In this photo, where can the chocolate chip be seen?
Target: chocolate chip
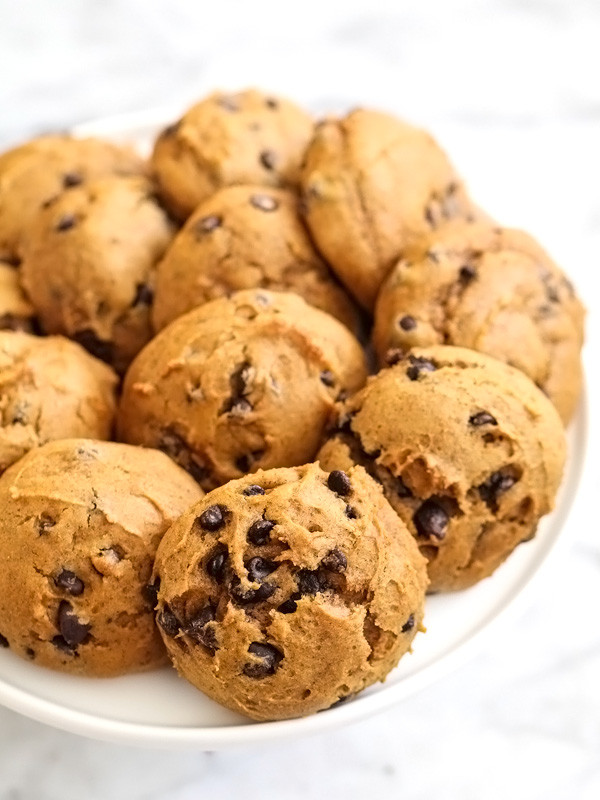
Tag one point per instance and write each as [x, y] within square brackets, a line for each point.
[208, 224]
[144, 295]
[270, 658]
[408, 625]
[213, 518]
[198, 472]
[168, 621]
[73, 631]
[268, 159]
[407, 323]
[271, 103]
[61, 644]
[238, 383]
[72, 179]
[253, 489]
[339, 483]
[335, 561]
[498, 483]
[467, 273]
[97, 347]
[43, 524]
[482, 418]
[260, 531]
[30, 652]
[150, 593]
[290, 605]
[196, 628]
[258, 568]
[264, 202]
[310, 582]
[431, 520]
[247, 596]
[3, 641]
[217, 562]
[327, 378]
[68, 581]
[351, 512]
[66, 222]
[419, 365]
[394, 356]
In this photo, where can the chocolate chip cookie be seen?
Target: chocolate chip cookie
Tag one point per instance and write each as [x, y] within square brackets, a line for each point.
[285, 592]
[16, 312]
[80, 524]
[490, 289]
[240, 384]
[50, 388]
[35, 172]
[89, 263]
[371, 185]
[245, 237]
[246, 137]
[468, 450]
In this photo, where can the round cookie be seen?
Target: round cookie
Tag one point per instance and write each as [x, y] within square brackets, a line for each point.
[247, 137]
[468, 450]
[35, 172]
[89, 265]
[245, 237]
[371, 185]
[240, 384]
[490, 289]
[284, 592]
[16, 312]
[80, 524]
[50, 388]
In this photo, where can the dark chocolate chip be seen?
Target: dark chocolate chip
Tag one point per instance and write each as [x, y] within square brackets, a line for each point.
[498, 483]
[327, 378]
[431, 520]
[43, 524]
[208, 224]
[419, 365]
[144, 295]
[61, 644]
[66, 222]
[212, 518]
[467, 273]
[217, 562]
[71, 628]
[394, 356]
[407, 323]
[150, 593]
[264, 202]
[168, 621]
[197, 630]
[253, 489]
[482, 418]
[97, 347]
[335, 561]
[198, 472]
[238, 383]
[409, 624]
[247, 596]
[258, 568]
[268, 159]
[310, 582]
[351, 512]
[270, 658]
[290, 605]
[260, 531]
[68, 581]
[3, 641]
[72, 179]
[339, 483]
[271, 103]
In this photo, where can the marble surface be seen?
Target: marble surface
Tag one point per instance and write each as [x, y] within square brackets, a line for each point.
[511, 87]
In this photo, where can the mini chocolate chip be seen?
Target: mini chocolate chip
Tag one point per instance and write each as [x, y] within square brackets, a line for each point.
[407, 323]
[71, 628]
[72, 179]
[168, 621]
[431, 519]
[268, 159]
[260, 531]
[246, 596]
[253, 489]
[196, 628]
[258, 568]
[144, 295]
[409, 624]
[68, 581]
[44, 523]
[482, 418]
[217, 562]
[264, 202]
[351, 512]
[310, 582]
[3, 641]
[419, 365]
[66, 222]
[97, 347]
[212, 518]
[150, 593]
[467, 273]
[271, 103]
[327, 378]
[339, 483]
[270, 658]
[61, 644]
[498, 483]
[208, 224]
[290, 605]
[335, 561]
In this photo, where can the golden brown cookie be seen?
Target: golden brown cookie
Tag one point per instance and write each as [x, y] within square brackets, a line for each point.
[246, 137]
[35, 172]
[490, 289]
[90, 261]
[80, 524]
[50, 388]
[468, 450]
[16, 312]
[285, 592]
[245, 237]
[240, 384]
[371, 185]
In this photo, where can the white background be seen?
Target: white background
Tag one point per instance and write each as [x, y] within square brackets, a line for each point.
[512, 88]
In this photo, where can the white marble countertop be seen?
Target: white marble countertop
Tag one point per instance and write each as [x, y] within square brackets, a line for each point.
[512, 88]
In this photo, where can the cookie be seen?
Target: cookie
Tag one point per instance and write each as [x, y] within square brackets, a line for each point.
[35, 172]
[371, 185]
[490, 289]
[285, 592]
[50, 388]
[240, 384]
[468, 450]
[90, 261]
[16, 312]
[247, 137]
[80, 524]
[245, 237]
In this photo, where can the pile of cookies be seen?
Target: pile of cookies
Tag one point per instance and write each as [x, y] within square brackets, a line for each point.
[194, 463]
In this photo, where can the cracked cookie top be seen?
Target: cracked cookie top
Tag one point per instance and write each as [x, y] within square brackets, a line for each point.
[284, 592]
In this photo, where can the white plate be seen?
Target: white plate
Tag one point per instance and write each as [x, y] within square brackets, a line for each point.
[163, 710]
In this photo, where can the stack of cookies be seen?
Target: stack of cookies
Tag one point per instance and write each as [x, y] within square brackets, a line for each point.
[195, 466]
